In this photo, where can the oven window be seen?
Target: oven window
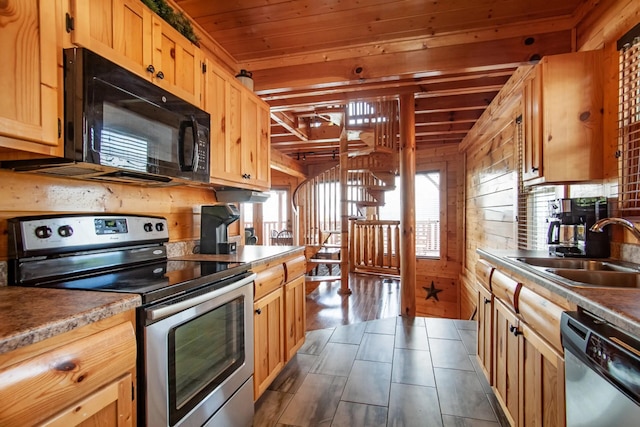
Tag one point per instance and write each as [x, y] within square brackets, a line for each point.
[203, 352]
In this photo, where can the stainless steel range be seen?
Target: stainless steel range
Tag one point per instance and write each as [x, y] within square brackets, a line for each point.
[195, 325]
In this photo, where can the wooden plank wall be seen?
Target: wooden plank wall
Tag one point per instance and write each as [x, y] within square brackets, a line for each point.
[445, 272]
[31, 194]
[491, 196]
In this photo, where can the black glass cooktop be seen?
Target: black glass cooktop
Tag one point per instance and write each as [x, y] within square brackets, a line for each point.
[157, 281]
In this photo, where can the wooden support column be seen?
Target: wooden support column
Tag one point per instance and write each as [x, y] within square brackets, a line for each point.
[344, 215]
[407, 205]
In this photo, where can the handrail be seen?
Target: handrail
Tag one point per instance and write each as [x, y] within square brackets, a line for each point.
[375, 246]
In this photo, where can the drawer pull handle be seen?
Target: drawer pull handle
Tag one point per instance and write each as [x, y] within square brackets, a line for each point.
[151, 69]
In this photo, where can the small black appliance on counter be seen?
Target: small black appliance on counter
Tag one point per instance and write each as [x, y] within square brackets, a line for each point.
[214, 238]
[569, 235]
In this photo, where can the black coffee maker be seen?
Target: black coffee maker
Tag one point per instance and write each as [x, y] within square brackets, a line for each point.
[214, 238]
[570, 219]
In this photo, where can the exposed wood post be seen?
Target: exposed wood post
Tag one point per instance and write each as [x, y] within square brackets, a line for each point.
[344, 214]
[407, 205]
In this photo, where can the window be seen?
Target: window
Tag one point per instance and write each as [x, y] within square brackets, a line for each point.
[427, 212]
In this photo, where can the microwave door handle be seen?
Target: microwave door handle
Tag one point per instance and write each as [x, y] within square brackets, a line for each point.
[184, 125]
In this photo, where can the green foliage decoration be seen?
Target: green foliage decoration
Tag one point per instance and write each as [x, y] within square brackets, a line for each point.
[177, 20]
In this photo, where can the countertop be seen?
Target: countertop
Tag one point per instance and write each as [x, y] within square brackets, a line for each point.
[252, 254]
[619, 306]
[30, 315]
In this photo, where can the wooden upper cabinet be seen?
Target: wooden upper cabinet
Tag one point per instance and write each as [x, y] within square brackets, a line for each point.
[563, 111]
[240, 132]
[30, 106]
[119, 30]
[177, 62]
[531, 128]
[129, 34]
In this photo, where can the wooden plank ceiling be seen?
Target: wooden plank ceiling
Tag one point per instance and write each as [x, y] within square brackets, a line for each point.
[310, 58]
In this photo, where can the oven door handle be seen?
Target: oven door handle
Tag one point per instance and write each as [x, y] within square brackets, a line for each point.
[168, 310]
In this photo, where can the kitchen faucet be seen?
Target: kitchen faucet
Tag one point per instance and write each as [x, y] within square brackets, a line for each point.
[599, 225]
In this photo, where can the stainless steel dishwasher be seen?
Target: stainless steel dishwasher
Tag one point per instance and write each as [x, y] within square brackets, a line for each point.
[602, 373]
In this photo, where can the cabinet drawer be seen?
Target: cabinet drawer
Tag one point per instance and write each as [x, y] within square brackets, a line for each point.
[541, 315]
[294, 267]
[36, 388]
[268, 280]
[505, 288]
[483, 273]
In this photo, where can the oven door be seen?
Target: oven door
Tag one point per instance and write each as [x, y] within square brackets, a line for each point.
[198, 351]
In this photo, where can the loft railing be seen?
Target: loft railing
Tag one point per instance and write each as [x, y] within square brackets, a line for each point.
[375, 246]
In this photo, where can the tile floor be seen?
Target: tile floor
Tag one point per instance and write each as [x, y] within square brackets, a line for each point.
[385, 372]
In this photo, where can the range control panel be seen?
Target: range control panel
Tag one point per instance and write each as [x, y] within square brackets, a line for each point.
[69, 232]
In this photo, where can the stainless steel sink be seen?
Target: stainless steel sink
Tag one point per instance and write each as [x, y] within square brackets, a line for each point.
[581, 264]
[599, 278]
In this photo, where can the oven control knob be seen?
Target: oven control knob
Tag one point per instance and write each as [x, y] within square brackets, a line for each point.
[65, 231]
[159, 226]
[43, 232]
[148, 227]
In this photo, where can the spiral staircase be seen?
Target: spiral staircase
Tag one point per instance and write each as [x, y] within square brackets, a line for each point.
[370, 173]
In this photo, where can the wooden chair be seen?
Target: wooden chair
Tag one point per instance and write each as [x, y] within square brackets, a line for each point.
[284, 238]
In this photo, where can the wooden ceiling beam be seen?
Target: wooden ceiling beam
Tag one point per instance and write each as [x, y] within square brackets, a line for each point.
[289, 124]
[458, 58]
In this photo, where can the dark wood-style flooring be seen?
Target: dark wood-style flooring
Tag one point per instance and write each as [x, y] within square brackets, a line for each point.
[373, 297]
[363, 365]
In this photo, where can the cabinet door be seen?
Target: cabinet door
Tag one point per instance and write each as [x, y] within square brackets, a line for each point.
[542, 399]
[485, 331]
[119, 30]
[176, 61]
[29, 112]
[572, 100]
[109, 406]
[250, 136]
[506, 359]
[294, 314]
[532, 165]
[268, 322]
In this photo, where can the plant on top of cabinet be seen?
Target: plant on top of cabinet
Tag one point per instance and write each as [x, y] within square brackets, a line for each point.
[177, 20]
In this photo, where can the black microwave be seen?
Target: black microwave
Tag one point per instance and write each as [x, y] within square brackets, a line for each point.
[120, 127]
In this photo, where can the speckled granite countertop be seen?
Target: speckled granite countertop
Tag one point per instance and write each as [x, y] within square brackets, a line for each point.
[30, 315]
[619, 306]
[254, 255]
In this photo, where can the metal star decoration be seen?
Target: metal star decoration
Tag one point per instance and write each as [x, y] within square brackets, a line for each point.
[432, 291]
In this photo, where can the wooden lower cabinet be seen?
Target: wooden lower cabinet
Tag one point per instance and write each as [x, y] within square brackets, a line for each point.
[279, 317]
[82, 377]
[506, 359]
[295, 316]
[485, 332]
[268, 326]
[527, 365]
[542, 398]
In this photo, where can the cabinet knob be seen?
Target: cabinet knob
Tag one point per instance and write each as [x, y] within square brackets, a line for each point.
[514, 330]
[160, 75]
[487, 301]
[259, 311]
[534, 169]
[151, 68]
